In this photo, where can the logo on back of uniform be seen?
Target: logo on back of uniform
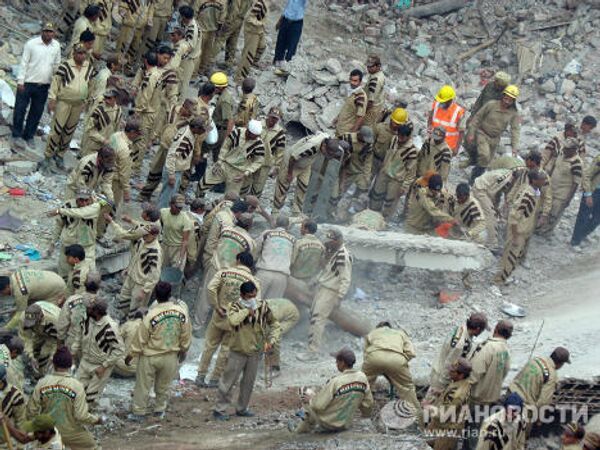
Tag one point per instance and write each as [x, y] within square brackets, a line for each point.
[166, 315]
[57, 389]
[355, 386]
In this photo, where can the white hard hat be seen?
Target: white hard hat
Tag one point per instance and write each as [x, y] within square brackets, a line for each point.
[255, 127]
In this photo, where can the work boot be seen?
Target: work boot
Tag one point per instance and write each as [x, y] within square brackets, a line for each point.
[199, 381]
[220, 416]
[60, 163]
[244, 413]
[211, 384]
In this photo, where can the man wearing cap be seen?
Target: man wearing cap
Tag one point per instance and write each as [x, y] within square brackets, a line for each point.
[383, 133]
[103, 121]
[397, 174]
[446, 422]
[492, 91]
[375, 91]
[193, 36]
[68, 92]
[447, 114]
[176, 229]
[428, 207]
[487, 126]
[296, 165]
[94, 172]
[41, 57]
[181, 49]
[469, 215]
[39, 331]
[334, 406]
[565, 179]
[254, 38]
[223, 114]
[333, 284]
[100, 346]
[242, 154]
[62, 396]
[143, 272]
[38, 434]
[435, 155]
[352, 115]
[28, 286]
[572, 436]
[357, 164]
[210, 15]
[388, 352]
[249, 104]
[12, 404]
[504, 430]
[76, 223]
[168, 86]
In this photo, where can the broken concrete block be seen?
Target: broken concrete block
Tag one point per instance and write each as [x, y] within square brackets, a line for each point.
[333, 66]
[293, 86]
[548, 87]
[567, 87]
[21, 167]
[328, 115]
[325, 78]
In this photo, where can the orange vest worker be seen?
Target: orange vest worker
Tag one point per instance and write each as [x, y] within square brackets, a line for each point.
[449, 119]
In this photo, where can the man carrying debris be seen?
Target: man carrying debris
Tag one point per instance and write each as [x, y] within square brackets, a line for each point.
[487, 126]
[375, 91]
[39, 331]
[388, 352]
[254, 38]
[162, 341]
[274, 249]
[588, 217]
[428, 207]
[352, 115]
[333, 284]
[522, 219]
[555, 147]
[62, 396]
[254, 331]
[102, 122]
[435, 155]
[176, 230]
[249, 104]
[494, 90]
[66, 99]
[448, 115]
[334, 406]
[504, 430]
[80, 267]
[308, 254]
[469, 215]
[28, 286]
[223, 290]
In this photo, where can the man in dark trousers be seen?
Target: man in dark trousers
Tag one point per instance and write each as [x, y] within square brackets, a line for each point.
[290, 29]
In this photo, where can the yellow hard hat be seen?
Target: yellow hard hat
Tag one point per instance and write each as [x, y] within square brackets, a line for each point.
[399, 116]
[219, 79]
[512, 91]
[445, 94]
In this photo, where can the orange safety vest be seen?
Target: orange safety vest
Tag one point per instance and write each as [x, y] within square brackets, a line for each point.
[448, 118]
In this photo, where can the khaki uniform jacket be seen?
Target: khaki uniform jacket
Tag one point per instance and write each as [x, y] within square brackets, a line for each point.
[72, 315]
[165, 329]
[80, 25]
[491, 363]
[173, 227]
[308, 257]
[29, 286]
[239, 154]
[71, 84]
[247, 109]
[275, 249]
[453, 398]
[63, 397]
[232, 241]
[193, 36]
[566, 178]
[256, 20]
[492, 120]
[536, 382]
[238, 10]
[434, 157]
[400, 163]
[169, 85]
[87, 174]
[147, 99]
[470, 216]
[135, 232]
[182, 51]
[76, 225]
[179, 156]
[390, 340]
[524, 211]
[44, 331]
[427, 210]
[458, 344]
[383, 140]
[135, 13]
[520, 179]
[274, 140]
[489, 92]
[145, 264]
[223, 110]
[493, 183]
[368, 220]
[554, 148]
[336, 403]
[337, 273]
[77, 276]
[375, 88]
[12, 405]
[223, 218]
[100, 342]
[121, 144]
[354, 107]
[162, 8]
[303, 153]
[103, 121]
[210, 14]
[591, 179]
[499, 434]
[103, 25]
[286, 313]
[250, 333]
[98, 87]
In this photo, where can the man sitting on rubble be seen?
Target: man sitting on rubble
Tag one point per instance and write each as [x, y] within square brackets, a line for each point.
[428, 207]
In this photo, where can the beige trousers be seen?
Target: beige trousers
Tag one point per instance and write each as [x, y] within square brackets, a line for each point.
[131, 297]
[154, 372]
[514, 251]
[214, 337]
[64, 122]
[302, 177]
[254, 47]
[325, 301]
[217, 175]
[237, 364]
[491, 222]
[94, 385]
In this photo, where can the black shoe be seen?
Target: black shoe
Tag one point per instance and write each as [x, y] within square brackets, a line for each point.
[220, 416]
[211, 384]
[244, 413]
[60, 163]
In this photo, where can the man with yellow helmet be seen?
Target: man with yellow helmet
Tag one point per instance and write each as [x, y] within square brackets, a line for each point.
[448, 114]
[487, 126]
[492, 91]
[384, 132]
[223, 115]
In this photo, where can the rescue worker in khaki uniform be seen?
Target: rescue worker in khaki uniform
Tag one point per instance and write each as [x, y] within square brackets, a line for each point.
[274, 249]
[233, 240]
[333, 284]
[211, 15]
[176, 229]
[428, 207]
[196, 214]
[74, 311]
[181, 50]
[521, 223]
[388, 352]
[486, 128]
[375, 91]
[384, 132]
[223, 114]
[229, 32]
[223, 289]
[565, 179]
[68, 92]
[62, 396]
[108, 76]
[94, 172]
[450, 402]
[136, 15]
[128, 330]
[494, 90]
[254, 330]
[397, 174]
[39, 331]
[28, 286]
[588, 217]
[12, 406]
[121, 143]
[12, 358]
[295, 165]
[254, 38]
[288, 315]
[249, 104]
[469, 215]
[103, 25]
[103, 121]
[357, 164]
[193, 36]
[447, 114]
[162, 340]
[334, 406]
[168, 86]
[162, 10]
[352, 115]
[80, 267]
[504, 430]
[435, 155]
[150, 216]
[554, 148]
[81, 22]
[242, 155]
[101, 346]
[308, 254]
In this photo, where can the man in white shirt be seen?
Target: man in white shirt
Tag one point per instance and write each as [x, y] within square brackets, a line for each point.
[41, 57]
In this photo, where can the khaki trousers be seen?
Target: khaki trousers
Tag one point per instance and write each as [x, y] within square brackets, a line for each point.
[131, 297]
[126, 371]
[94, 385]
[385, 194]
[229, 39]
[81, 440]
[486, 149]
[201, 306]
[491, 221]
[64, 122]
[514, 251]
[154, 173]
[255, 183]
[272, 283]
[214, 337]
[156, 33]
[287, 320]
[100, 42]
[217, 175]
[188, 66]
[254, 47]
[156, 372]
[302, 177]
[208, 53]
[140, 146]
[325, 301]
[237, 364]
[558, 208]
[170, 255]
[373, 115]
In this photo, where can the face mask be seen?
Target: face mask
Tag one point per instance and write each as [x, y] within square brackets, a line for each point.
[250, 304]
[537, 192]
